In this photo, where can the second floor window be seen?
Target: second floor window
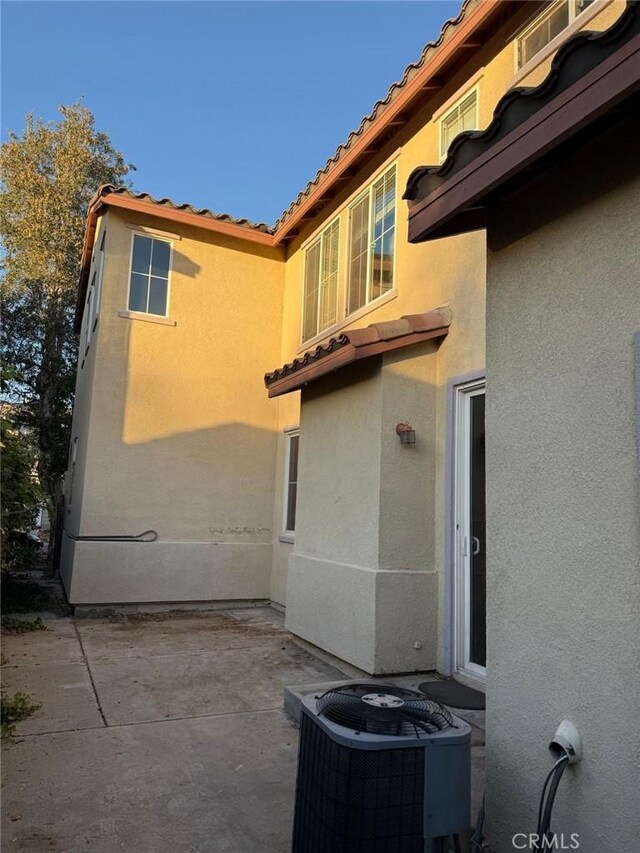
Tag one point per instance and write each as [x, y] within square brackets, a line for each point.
[462, 116]
[149, 283]
[546, 27]
[321, 283]
[372, 223]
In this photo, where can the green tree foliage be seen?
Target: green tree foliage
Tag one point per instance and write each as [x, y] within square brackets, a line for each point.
[20, 492]
[49, 174]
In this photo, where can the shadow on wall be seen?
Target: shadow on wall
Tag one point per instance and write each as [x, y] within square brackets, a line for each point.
[371, 501]
[182, 265]
[186, 444]
[214, 485]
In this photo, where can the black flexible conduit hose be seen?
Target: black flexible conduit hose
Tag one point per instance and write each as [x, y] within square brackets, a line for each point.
[147, 536]
[546, 807]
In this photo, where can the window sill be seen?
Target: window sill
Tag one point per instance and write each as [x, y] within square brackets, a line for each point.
[361, 312]
[146, 318]
[575, 26]
[286, 538]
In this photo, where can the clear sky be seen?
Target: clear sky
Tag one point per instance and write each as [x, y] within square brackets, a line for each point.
[228, 105]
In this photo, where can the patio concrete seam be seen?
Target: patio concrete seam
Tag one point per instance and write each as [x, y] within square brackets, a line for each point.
[21, 737]
[151, 722]
[178, 654]
[90, 674]
[275, 709]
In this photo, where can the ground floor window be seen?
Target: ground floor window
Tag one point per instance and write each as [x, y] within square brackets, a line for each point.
[291, 482]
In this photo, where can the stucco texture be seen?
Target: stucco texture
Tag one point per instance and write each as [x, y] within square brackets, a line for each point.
[366, 506]
[563, 510]
[181, 438]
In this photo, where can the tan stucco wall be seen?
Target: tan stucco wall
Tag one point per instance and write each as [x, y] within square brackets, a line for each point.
[359, 584]
[182, 438]
[332, 593]
[74, 485]
[405, 531]
[563, 533]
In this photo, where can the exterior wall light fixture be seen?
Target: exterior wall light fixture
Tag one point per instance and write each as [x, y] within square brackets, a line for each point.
[406, 432]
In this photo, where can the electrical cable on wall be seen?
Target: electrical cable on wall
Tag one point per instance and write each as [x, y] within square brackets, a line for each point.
[546, 805]
[147, 536]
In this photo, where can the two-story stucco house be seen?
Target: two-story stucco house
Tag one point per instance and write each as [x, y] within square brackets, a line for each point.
[306, 495]
[296, 413]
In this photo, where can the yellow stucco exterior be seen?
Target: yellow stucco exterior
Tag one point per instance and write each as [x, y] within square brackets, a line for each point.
[175, 432]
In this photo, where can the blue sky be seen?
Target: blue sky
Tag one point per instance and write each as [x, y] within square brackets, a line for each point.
[228, 105]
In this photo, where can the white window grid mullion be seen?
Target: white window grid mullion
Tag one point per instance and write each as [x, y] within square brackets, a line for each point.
[149, 276]
[319, 305]
[371, 230]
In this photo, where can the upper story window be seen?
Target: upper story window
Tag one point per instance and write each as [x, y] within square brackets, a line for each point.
[92, 306]
[372, 220]
[98, 296]
[321, 282]
[88, 329]
[149, 282]
[463, 115]
[546, 27]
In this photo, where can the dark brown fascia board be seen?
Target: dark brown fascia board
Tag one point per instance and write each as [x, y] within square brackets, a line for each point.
[456, 206]
[187, 217]
[347, 355]
[85, 263]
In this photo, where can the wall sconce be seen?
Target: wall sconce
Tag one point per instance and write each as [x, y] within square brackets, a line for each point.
[406, 432]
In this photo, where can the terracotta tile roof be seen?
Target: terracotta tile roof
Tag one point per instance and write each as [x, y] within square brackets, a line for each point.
[380, 106]
[463, 32]
[108, 194]
[582, 53]
[108, 189]
[357, 344]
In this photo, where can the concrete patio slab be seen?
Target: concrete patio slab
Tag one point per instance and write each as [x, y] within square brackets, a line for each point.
[217, 784]
[163, 686]
[194, 752]
[173, 633]
[58, 644]
[66, 694]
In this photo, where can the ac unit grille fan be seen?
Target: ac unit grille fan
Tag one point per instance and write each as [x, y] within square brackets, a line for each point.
[384, 709]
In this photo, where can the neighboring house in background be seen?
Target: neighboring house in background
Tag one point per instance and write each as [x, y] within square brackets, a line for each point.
[556, 182]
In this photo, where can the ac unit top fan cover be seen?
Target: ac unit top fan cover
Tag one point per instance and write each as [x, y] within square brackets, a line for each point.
[366, 715]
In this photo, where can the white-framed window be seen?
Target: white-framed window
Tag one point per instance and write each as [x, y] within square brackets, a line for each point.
[88, 328]
[72, 470]
[463, 115]
[149, 278]
[320, 309]
[98, 293]
[545, 27]
[372, 221]
[290, 482]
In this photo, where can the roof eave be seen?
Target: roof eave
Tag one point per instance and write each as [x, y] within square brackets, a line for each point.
[105, 197]
[425, 79]
[347, 355]
[458, 204]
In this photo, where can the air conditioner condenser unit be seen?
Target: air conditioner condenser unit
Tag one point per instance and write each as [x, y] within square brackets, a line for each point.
[381, 769]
